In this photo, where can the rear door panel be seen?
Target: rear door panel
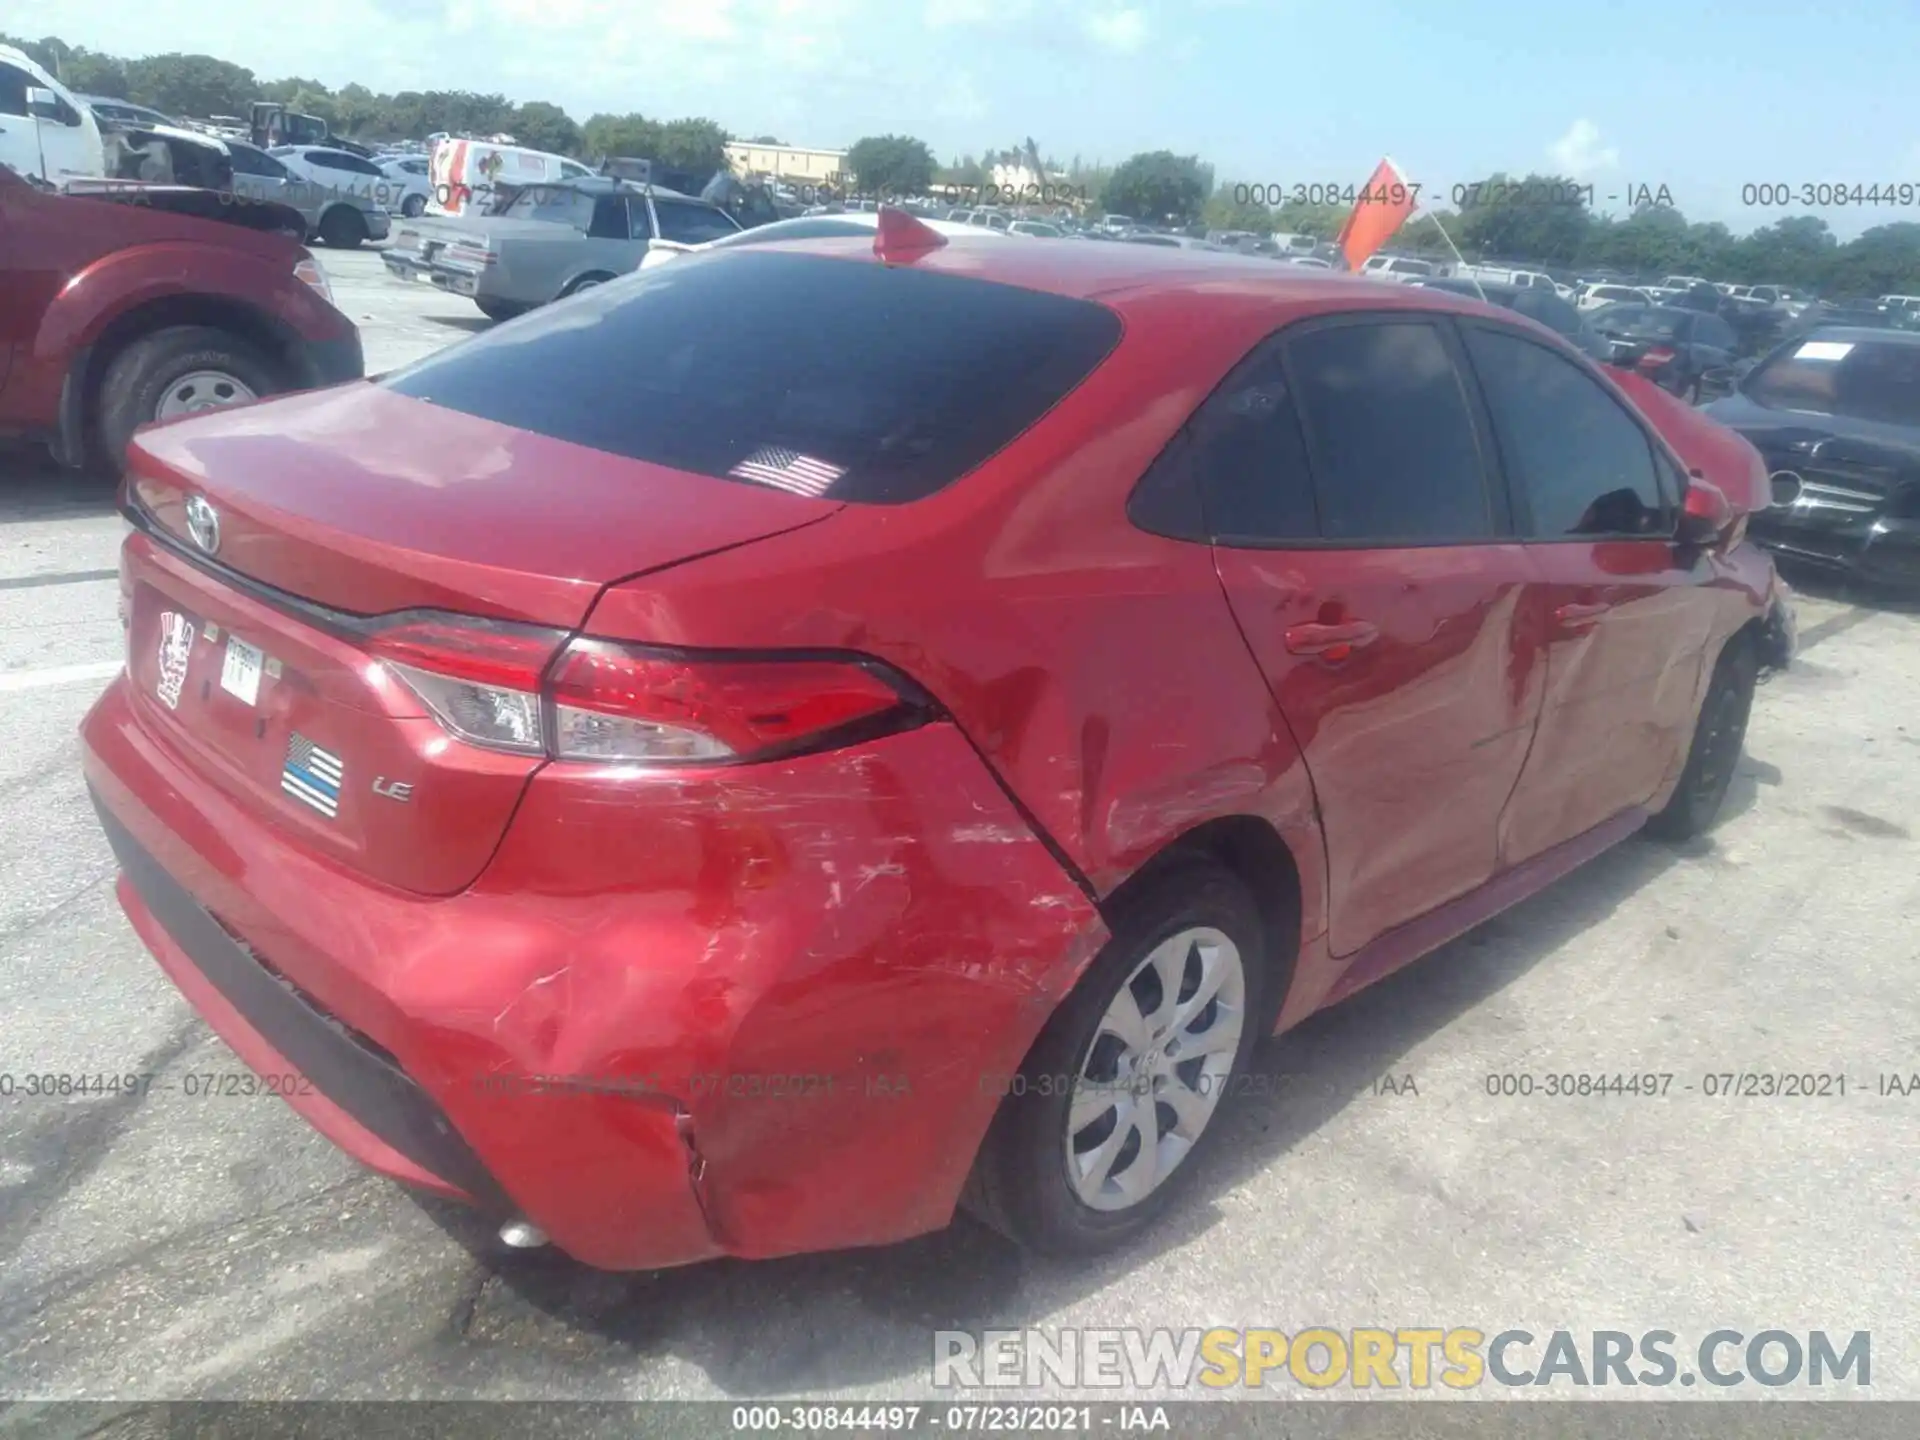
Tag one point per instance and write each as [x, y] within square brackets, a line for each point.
[1367, 567]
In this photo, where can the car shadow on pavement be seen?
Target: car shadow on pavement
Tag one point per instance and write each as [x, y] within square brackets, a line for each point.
[472, 324]
[818, 1323]
[33, 487]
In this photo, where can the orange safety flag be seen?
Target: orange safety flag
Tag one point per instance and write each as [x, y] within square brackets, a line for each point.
[1382, 208]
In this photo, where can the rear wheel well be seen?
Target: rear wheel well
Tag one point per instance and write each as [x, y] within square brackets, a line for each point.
[1251, 850]
[210, 310]
[592, 277]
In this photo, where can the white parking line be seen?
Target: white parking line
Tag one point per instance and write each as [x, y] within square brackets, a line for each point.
[57, 675]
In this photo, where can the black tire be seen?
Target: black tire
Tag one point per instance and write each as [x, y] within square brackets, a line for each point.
[1020, 1184]
[500, 309]
[585, 282]
[412, 206]
[139, 377]
[343, 228]
[1719, 736]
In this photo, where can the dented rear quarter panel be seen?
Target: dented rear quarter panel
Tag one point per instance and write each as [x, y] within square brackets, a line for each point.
[1098, 668]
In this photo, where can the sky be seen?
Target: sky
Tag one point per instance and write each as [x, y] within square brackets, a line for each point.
[1702, 98]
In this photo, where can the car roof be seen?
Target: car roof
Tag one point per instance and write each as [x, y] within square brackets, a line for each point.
[605, 185]
[1862, 335]
[1460, 285]
[1126, 276]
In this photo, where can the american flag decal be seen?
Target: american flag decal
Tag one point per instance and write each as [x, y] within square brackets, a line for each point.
[788, 470]
[312, 775]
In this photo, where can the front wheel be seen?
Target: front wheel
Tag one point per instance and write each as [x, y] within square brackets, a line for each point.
[1719, 735]
[1099, 1126]
[178, 371]
[500, 309]
[343, 227]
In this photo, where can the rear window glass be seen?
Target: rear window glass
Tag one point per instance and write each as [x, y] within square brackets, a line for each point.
[1861, 380]
[559, 204]
[838, 378]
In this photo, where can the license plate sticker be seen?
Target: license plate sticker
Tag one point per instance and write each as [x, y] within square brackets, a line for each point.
[240, 670]
[176, 653]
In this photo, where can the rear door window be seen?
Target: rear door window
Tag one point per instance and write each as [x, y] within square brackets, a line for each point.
[839, 378]
[1395, 453]
[692, 224]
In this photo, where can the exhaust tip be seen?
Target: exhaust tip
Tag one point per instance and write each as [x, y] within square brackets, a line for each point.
[522, 1235]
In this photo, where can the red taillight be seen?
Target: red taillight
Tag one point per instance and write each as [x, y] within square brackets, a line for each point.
[1656, 357]
[480, 678]
[623, 702]
[490, 652]
[608, 701]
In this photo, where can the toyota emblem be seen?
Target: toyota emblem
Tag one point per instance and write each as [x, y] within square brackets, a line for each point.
[203, 523]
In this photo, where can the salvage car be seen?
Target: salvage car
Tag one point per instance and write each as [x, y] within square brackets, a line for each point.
[1681, 350]
[1536, 302]
[551, 241]
[1836, 414]
[126, 304]
[748, 714]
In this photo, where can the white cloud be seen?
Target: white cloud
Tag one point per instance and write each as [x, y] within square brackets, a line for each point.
[1124, 31]
[1579, 151]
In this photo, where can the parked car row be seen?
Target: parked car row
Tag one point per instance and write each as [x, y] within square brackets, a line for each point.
[551, 241]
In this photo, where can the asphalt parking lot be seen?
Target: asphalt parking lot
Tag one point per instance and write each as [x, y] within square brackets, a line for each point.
[166, 1247]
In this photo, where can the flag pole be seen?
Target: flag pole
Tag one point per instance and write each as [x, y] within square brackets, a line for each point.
[1433, 221]
[1420, 209]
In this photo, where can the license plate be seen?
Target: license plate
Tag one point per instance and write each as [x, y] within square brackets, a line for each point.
[425, 277]
[240, 670]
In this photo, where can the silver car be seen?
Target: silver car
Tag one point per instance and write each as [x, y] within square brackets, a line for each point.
[342, 203]
[551, 241]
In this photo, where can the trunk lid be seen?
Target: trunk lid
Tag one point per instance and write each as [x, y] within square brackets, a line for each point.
[355, 502]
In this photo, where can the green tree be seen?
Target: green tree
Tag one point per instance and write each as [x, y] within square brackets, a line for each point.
[1230, 208]
[630, 135]
[1883, 261]
[697, 145]
[91, 73]
[766, 140]
[891, 165]
[191, 85]
[1525, 219]
[1297, 217]
[1159, 186]
[542, 125]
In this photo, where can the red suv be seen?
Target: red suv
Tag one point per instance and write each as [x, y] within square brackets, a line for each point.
[748, 758]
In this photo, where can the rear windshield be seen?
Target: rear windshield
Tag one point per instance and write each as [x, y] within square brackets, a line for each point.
[1862, 380]
[839, 378]
[560, 204]
[1653, 325]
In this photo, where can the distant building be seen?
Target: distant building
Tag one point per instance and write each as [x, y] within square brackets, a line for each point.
[1021, 178]
[786, 162]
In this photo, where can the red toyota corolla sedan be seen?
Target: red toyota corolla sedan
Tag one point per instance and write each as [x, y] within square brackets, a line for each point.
[752, 757]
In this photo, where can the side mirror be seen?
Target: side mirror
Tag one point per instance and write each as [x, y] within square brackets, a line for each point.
[1706, 514]
[42, 103]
